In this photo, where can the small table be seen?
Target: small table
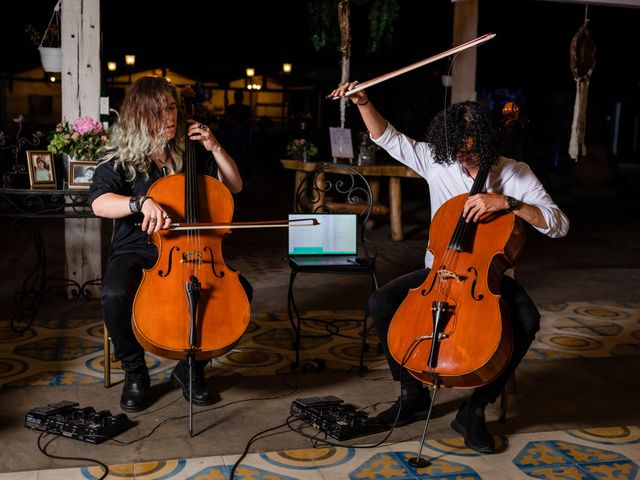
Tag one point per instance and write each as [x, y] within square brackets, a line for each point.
[373, 173]
[35, 205]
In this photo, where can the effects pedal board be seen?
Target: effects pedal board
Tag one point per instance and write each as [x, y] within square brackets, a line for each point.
[332, 416]
[66, 419]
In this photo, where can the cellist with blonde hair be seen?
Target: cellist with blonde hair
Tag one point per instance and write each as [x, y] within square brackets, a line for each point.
[146, 144]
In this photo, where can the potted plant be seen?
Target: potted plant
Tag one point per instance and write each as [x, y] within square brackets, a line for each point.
[301, 149]
[48, 43]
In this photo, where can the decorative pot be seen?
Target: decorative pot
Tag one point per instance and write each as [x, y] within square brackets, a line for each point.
[51, 58]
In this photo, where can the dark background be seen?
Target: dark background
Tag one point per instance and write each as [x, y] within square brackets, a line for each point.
[528, 61]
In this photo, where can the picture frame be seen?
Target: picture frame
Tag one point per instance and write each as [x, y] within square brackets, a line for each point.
[81, 174]
[42, 172]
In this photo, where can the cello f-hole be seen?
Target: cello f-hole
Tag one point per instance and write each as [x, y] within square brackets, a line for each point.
[213, 265]
[161, 273]
[424, 292]
[473, 284]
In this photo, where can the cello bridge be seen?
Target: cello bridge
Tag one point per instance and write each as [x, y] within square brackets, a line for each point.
[444, 275]
[192, 257]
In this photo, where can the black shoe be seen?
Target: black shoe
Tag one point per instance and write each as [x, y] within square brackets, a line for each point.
[180, 378]
[412, 408]
[469, 422]
[135, 391]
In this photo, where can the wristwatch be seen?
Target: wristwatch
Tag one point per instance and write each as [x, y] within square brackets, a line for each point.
[513, 204]
[134, 206]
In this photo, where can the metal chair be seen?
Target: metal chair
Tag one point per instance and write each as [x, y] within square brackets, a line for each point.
[334, 188]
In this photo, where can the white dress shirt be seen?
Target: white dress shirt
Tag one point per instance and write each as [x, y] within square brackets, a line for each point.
[507, 177]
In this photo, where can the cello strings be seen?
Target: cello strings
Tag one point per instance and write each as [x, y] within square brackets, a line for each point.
[190, 204]
[462, 227]
[440, 284]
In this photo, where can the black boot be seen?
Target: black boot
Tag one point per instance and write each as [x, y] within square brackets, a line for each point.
[136, 388]
[412, 405]
[470, 423]
[180, 378]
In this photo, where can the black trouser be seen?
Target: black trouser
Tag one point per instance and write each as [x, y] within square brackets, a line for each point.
[524, 316]
[119, 286]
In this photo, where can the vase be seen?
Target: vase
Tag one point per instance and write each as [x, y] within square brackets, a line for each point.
[302, 156]
[366, 155]
[66, 160]
[51, 58]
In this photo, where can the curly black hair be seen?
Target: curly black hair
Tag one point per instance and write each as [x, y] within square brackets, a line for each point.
[448, 134]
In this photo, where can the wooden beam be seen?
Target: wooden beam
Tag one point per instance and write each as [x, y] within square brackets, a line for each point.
[81, 97]
[465, 28]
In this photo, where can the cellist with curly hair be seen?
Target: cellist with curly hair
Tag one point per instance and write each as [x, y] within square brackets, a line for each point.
[460, 142]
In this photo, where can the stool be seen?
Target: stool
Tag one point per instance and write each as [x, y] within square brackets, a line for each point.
[107, 357]
[510, 387]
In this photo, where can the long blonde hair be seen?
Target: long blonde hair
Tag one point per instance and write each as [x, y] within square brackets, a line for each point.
[138, 136]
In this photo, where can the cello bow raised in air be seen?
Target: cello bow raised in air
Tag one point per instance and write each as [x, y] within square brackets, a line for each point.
[452, 51]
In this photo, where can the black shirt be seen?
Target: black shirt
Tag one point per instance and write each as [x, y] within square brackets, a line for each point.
[127, 237]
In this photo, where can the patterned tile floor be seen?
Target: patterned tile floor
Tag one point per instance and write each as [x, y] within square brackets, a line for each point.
[65, 352]
[594, 454]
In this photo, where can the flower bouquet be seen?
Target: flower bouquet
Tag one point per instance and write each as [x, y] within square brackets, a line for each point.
[301, 149]
[80, 140]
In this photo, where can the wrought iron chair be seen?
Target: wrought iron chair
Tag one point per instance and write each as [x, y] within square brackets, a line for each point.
[334, 188]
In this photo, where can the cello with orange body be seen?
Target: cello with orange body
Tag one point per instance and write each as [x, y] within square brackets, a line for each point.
[453, 330]
[190, 304]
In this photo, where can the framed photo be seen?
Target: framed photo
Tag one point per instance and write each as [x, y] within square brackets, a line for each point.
[81, 173]
[42, 172]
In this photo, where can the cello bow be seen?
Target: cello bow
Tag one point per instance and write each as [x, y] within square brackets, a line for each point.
[387, 76]
[300, 222]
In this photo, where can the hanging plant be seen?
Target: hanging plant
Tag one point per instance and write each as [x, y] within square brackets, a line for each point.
[383, 14]
[323, 24]
[51, 36]
[48, 43]
[325, 28]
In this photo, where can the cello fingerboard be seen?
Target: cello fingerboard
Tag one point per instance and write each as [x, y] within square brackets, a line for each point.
[464, 233]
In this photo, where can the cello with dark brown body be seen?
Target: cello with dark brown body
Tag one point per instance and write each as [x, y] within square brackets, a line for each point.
[453, 330]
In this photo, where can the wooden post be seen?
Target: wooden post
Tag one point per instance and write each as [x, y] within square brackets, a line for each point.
[395, 204]
[465, 28]
[81, 97]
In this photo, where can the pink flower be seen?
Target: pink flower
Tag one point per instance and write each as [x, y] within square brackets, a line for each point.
[84, 125]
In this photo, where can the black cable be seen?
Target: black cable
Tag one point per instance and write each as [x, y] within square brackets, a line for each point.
[406, 356]
[170, 419]
[251, 440]
[60, 457]
[148, 412]
[314, 438]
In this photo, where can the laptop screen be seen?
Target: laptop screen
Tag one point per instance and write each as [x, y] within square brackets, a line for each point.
[337, 234]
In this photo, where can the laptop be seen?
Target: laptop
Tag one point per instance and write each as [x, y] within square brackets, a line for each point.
[333, 242]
